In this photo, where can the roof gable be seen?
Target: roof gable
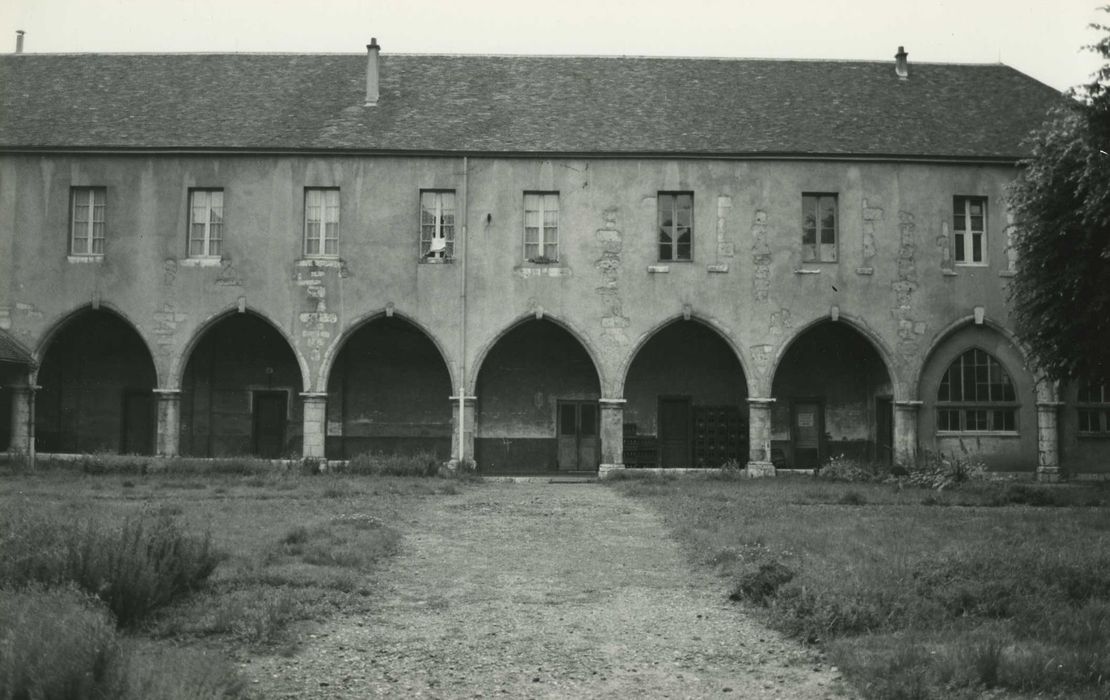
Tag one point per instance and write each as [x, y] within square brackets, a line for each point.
[517, 104]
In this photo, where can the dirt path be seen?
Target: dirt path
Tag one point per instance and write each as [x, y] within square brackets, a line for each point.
[544, 590]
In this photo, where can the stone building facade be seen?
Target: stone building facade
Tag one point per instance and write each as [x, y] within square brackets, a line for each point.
[538, 263]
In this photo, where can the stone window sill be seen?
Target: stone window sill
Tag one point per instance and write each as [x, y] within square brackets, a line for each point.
[949, 273]
[81, 259]
[437, 261]
[658, 269]
[527, 270]
[1007, 273]
[201, 262]
[979, 433]
[806, 271]
[718, 268]
[329, 261]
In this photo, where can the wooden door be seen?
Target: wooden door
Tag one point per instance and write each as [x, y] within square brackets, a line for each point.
[578, 448]
[137, 431]
[884, 430]
[808, 431]
[674, 431]
[268, 420]
[588, 445]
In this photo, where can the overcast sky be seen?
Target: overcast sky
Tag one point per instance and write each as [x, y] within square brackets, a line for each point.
[1039, 37]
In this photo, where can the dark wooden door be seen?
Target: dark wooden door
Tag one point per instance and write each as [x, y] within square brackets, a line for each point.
[808, 429]
[577, 439]
[674, 432]
[884, 430]
[137, 436]
[268, 420]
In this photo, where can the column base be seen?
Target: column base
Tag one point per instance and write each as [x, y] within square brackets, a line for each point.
[1049, 475]
[604, 470]
[760, 469]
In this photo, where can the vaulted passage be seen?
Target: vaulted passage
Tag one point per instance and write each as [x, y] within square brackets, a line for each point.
[537, 407]
[389, 391]
[833, 396]
[241, 392]
[686, 397]
[97, 380]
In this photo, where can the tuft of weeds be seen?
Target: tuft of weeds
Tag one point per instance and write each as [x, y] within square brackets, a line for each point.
[423, 464]
[761, 585]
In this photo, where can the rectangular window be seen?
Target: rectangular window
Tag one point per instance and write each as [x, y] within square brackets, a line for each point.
[819, 226]
[87, 221]
[206, 223]
[541, 227]
[969, 226]
[676, 225]
[437, 225]
[321, 222]
[1093, 408]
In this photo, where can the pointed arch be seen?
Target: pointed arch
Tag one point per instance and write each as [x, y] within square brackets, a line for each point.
[646, 336]
[579, 336]
[880, 346]
[181, 360]
[59, 324]
[336, 347]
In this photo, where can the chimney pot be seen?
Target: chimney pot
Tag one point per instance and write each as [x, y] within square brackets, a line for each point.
[372, 72]
[19, 40]
[901, 63]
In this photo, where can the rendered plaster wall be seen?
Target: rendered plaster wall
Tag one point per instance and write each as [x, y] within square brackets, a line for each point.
[684, 359]
[92, 363]
[238, 356]
[388, 392]
[834, 364]
[523, 378]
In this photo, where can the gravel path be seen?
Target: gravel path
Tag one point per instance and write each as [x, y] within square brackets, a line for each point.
[544, 590]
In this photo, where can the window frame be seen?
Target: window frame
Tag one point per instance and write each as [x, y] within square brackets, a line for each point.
[542, 243]
[321, 238]
[448, 250]
[207, 238]
[90, 238]
[674, 243]
[817, 254]
[963, 239]
[988, 411]
[1094, 400]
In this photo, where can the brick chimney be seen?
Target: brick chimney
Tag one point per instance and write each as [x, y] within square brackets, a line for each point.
[372, 72]
[901, 64]
[19, 40]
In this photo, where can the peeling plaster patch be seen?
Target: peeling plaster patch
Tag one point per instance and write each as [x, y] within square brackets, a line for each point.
[1011, 249]
[726, 248]
[761, 358]
[761, 257]
[5, 318]
[166, 321]
[944, 247]
[28, 311]
[872, 220]
[317, 322]
[780, 321]
[904, 286]
[169, 271]
[609, 263]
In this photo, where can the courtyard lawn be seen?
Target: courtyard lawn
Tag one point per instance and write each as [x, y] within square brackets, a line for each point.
[913, 593]
[288, 549]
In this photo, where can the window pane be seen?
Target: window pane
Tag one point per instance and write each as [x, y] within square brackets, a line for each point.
[531, 250]
[665, 251]
[588, 419]
[568, 419]
[959, 247]
[977, 247]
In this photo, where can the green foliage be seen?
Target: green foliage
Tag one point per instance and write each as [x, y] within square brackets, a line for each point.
[134, 567]
[936, 470]
[394, 464]
[843, 468]
[1061, 202]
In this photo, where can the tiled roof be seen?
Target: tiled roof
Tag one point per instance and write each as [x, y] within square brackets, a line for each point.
[11, 351]
[518, 104]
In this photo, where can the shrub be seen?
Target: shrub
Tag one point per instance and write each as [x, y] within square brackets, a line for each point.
[396, 464]
[761, 585]
[57, 644]
[134, 567]
[842, 468]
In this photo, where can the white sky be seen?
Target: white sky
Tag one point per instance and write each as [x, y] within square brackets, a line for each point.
[1039, 37]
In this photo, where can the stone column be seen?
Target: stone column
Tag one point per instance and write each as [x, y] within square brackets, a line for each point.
[315, 424]
[1048, 441]
[905, 432]
[759, 437]
[169, 422]
[23, 421]
[612, 435]
[467, 426]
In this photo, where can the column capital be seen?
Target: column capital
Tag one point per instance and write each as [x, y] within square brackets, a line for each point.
[1050, 404]
[612, 402]
[314, 395]
[24, 388]
[168, 393]
[761, 401]
[464, 398]
[911, 405]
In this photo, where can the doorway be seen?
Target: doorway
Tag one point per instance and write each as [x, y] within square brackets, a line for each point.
[268, 423]
[577, 436]
[884, 430]
[138, 423]
[808, 423]
[674, 431]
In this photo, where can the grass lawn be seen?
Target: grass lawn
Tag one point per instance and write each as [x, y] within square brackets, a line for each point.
[287, 549]
[990, 588]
